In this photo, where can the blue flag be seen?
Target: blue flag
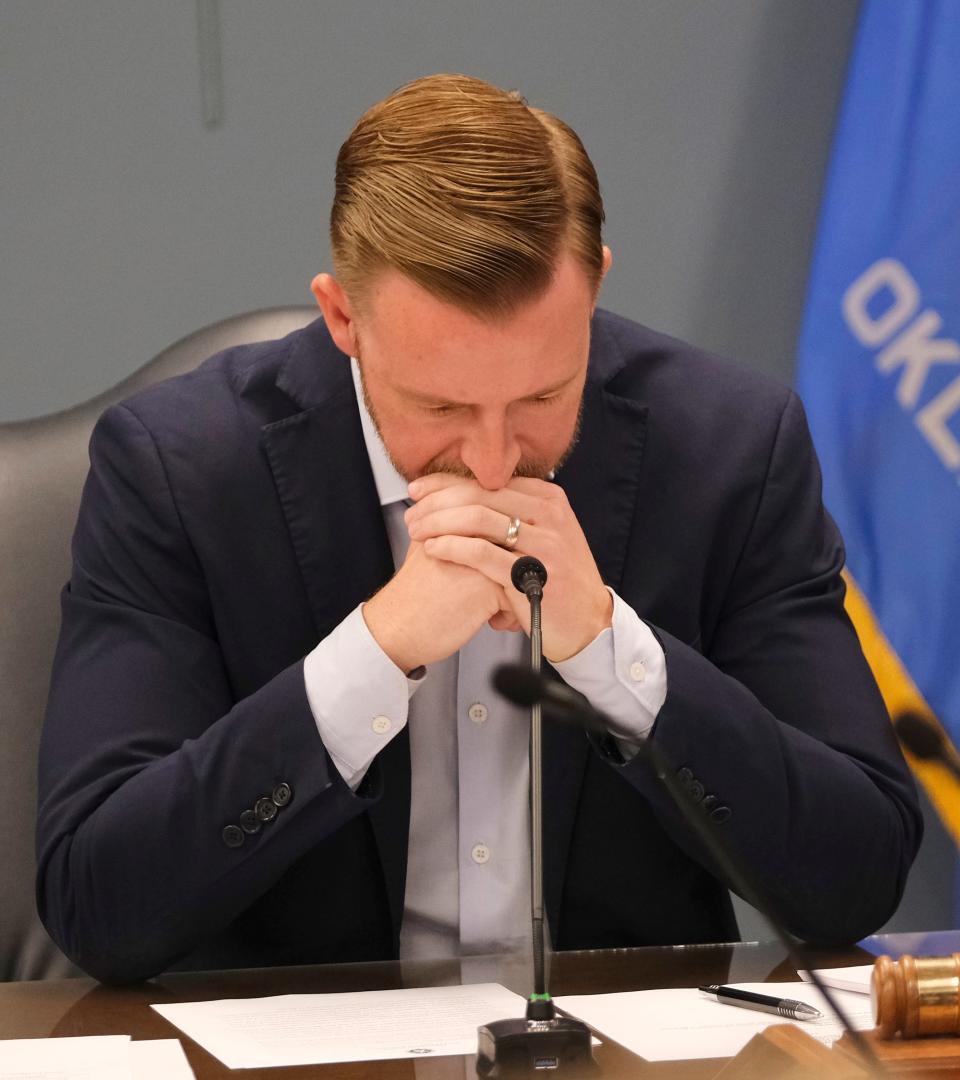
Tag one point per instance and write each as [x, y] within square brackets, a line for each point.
[879, 359]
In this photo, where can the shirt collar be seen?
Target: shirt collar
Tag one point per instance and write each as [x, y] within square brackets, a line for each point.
[391, 486]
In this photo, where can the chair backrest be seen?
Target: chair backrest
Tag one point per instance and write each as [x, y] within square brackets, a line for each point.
[43, 463]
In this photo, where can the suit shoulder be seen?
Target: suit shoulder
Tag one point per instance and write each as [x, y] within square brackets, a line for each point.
[681, 379]
[212, 390]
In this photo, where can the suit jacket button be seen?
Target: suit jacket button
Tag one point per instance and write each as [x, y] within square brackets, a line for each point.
[265, 809]
[282, 794]
[249, 822]
[232, 836]
[721, 814]
[697, 790]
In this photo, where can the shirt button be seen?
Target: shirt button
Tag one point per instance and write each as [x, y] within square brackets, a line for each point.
[638, 671]
[382, 724]
[478, 713]
[480, 853]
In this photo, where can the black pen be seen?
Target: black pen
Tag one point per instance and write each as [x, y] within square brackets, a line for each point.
[785, 1007]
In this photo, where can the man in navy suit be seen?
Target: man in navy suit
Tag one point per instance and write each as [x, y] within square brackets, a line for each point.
[271, 737]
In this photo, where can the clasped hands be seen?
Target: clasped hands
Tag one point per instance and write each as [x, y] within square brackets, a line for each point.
[456, 575]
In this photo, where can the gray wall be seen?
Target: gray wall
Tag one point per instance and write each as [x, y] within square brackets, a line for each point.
[127, 224]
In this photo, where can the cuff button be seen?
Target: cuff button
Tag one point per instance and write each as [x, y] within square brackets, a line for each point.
[250, 823]
[282, 794]
[232, 836]
[265, 809]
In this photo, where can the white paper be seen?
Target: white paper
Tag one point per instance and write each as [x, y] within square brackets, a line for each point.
[856, 979]
[91, 1057]
[314, 1029]
[159, 1059]
[674, 1025]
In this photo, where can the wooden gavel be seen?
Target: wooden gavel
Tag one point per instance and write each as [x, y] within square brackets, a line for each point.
[916, 996]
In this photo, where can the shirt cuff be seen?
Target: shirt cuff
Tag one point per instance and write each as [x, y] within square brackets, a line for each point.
[622, 672]
[357, 695]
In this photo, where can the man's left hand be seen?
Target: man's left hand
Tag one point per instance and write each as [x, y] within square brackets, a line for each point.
[459, 521]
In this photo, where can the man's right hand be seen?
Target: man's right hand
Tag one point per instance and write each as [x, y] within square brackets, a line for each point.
[430, 608]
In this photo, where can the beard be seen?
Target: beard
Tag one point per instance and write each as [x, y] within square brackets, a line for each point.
[528, 467]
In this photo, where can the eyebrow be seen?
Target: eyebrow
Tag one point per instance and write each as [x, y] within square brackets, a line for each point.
[430, 400]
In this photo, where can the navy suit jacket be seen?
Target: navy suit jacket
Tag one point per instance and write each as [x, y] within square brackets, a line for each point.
[230, 521]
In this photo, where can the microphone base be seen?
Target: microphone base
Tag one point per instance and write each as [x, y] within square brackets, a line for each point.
[515, 1048]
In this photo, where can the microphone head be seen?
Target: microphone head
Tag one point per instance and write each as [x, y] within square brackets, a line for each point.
[527, 570]
[921, 737]
[518, 684]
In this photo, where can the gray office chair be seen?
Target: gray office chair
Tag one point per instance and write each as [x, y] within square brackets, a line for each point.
[43, 463]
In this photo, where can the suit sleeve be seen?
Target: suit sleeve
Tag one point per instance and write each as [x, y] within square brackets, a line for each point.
[777, 727]
[146, 756]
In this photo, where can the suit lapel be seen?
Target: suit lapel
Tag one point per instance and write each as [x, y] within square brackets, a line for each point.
[602, 477]
[329, 500]
[602, 483]
[322, 475]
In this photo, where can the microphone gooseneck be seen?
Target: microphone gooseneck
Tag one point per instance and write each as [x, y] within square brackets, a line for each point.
[532, 581]
[521, 686]
[541, 1040]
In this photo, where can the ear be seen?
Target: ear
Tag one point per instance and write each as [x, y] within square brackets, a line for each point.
[607, 263]
[337, 313]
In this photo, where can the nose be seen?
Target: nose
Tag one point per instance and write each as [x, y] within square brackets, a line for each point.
[491, 452]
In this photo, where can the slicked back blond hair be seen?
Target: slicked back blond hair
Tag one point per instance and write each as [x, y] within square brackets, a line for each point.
[466, 190]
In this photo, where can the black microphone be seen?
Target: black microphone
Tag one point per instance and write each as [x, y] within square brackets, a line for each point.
[521, 686]
[529, 575]
[924, 739]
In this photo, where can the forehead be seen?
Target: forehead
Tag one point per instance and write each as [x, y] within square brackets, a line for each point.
[419, 344]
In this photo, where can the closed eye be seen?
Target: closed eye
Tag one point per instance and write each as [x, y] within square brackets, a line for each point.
[446, 410]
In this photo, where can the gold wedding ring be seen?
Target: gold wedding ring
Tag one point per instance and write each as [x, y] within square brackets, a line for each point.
[513, 534]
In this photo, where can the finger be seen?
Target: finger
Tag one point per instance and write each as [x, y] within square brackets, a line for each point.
[474, 520]
[505, 620]
[489, 559]
[426, 485]
[512, 504]
[431, 482]
[529, 485]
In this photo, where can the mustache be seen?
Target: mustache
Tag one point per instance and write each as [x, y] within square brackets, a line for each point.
[535, 470]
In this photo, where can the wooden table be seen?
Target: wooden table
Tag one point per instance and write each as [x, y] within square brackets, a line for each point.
[83, 1007]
